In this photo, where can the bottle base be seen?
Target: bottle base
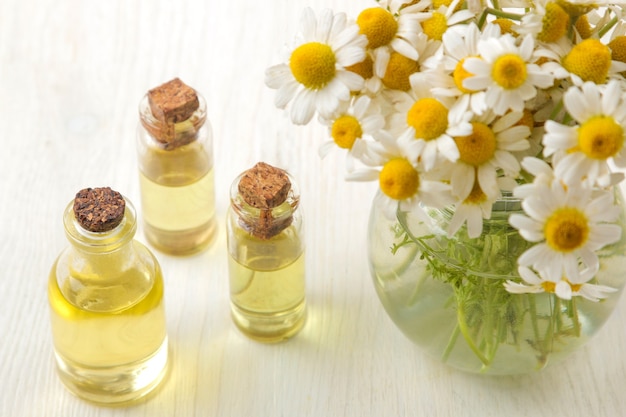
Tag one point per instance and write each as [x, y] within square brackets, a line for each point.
[114, 385]
[269, 327]
[181, 242]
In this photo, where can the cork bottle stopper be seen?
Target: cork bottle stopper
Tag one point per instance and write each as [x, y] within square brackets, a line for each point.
[264, 186]
[99, 209]
[173, 102]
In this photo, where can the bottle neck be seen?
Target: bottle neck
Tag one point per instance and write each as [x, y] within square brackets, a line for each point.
[264, 223]
[172, 135]
[100, 242]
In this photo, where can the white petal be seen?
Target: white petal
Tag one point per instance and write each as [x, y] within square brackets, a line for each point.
[563, 290]
[303, 107]
[325, 148]
[363, 175]
[529, 276]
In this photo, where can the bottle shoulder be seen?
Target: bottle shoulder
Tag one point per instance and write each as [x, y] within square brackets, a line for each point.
[105, 282]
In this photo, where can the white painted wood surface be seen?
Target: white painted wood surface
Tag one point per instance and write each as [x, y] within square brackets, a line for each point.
[71, 75]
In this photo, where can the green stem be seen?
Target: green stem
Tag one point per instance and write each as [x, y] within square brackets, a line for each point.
[575, 320]
[505, 15]
[549, 335]
[532, 305]
[462, 323]
[607, 27]
[451, 343]
[482, 19]
[556, 110]
[488, 315]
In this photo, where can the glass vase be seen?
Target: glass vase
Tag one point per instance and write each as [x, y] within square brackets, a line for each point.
[447, 294]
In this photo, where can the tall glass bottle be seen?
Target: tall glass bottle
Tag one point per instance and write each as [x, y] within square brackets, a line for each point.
[106, 303]
[266, 254]
[175, 155]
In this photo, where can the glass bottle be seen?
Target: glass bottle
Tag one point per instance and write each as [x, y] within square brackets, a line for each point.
[266, 257]
[176, 169]
[107, 311]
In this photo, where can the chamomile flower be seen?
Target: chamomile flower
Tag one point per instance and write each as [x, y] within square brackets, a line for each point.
[548, 21]
[444, 17]
[315, 78]
[486, 151]
[390, 29]
[506, 72]
[596, 140]
[399, 68]
[446, 74]
[402, 182]
[569, 224]
[362, 118]
[432, 123]
[587, 60]
[562, 288]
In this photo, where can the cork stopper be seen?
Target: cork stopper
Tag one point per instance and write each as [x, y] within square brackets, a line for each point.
[264, 186]
[99, 209]
[173, 102]
[172, 106]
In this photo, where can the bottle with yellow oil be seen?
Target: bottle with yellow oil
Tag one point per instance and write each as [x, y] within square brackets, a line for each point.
[266, 254]
[175, 155]
[106, 303]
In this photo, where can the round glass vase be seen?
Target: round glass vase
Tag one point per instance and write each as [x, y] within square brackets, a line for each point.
[447, 294]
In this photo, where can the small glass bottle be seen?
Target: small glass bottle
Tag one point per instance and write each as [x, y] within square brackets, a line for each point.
[175, 155]
[106, 303]
[266, 254]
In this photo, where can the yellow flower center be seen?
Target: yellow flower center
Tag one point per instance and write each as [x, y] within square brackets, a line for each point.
[618, 48]
[566, 229]
[438, 3]
[476, 196]
[345, 131]
[479, 146]
[378, 25]
[459, 75]
[548, 286]
[555, 23]
[398, 71]
[583, 27]
[436, 26]
[590, 60]
[505, 25]
[428, 117]
[364, 68]
[313, 65]
[600, 137]
[509, 71]
[398, 179]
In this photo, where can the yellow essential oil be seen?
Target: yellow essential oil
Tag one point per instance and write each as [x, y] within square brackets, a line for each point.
[266, 263]
[178, 209]
[267, 289]
[176, 172]
[107, 314]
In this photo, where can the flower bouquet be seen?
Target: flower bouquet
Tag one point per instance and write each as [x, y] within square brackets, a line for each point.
[496, 132]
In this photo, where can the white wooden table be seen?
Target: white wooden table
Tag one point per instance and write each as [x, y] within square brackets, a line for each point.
[71, 76]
